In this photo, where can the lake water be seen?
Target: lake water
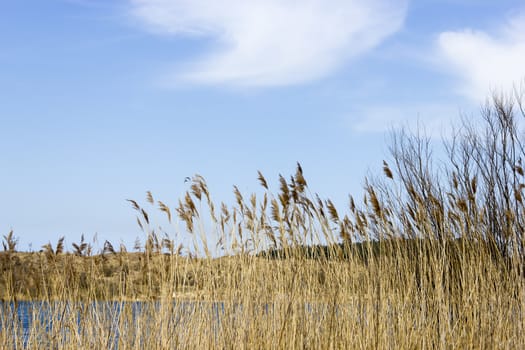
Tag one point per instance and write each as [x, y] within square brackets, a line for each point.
[26, 324]
[104, 324]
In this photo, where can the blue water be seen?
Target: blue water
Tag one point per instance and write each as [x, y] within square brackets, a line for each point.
[135, 323]
[23, 321]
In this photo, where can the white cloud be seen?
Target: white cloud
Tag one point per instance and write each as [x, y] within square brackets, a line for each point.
[437, 120]
[273, 42]
[485, 62]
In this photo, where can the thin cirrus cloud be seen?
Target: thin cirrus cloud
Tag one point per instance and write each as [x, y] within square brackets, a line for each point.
[272, 42]
[434, 119]
[485, 61]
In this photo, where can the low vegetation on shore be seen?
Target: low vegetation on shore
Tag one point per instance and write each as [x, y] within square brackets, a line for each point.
[432, 257]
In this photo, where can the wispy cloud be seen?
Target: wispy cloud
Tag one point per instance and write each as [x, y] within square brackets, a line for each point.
[485, 61]
[437, 120]
[273, 42]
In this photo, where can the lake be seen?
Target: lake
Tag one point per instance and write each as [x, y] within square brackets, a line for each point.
[26, 324]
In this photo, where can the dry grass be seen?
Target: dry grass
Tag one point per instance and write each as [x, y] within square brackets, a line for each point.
[395, 300]
[428, 260]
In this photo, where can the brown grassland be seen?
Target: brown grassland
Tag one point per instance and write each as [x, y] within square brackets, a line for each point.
[432, 257]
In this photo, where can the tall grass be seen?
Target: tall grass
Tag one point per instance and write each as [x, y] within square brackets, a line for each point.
[432, 257]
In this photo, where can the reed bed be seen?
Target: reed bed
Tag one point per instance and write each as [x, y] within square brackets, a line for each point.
[431, 257]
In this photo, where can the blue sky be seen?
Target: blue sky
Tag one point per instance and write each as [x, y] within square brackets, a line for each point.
[103, 100]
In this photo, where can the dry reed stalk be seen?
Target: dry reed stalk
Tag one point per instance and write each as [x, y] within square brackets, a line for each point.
[427, 260]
